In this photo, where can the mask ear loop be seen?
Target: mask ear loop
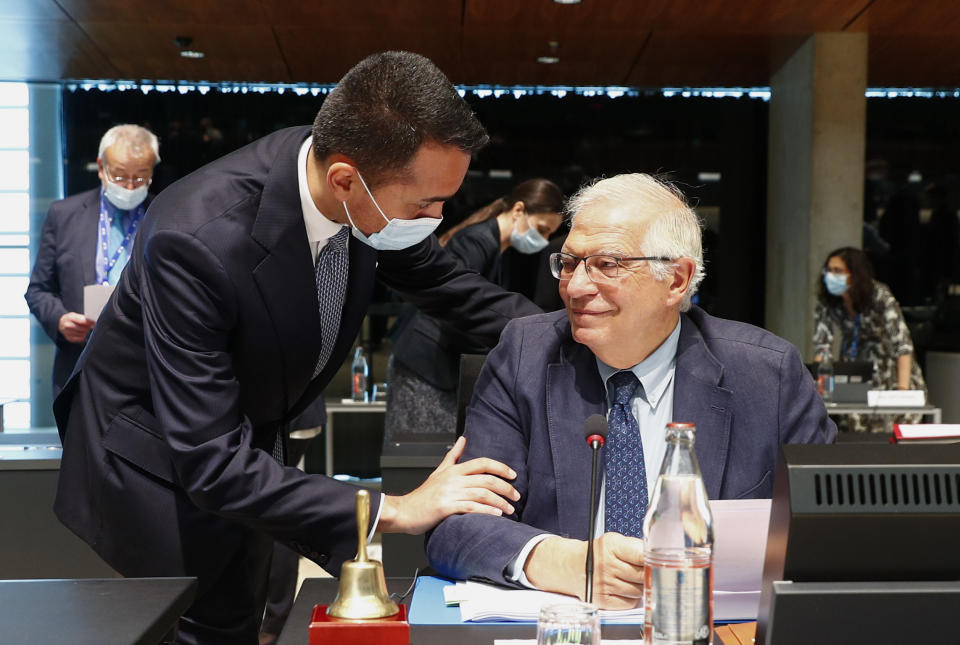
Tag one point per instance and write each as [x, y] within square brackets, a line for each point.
[379, 210]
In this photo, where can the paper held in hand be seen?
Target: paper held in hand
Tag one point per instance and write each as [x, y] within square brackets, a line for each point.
[95, 298]
[740, 530]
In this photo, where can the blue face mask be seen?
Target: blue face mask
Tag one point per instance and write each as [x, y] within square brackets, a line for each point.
[836, 283]
[398, 233]
[529, 242]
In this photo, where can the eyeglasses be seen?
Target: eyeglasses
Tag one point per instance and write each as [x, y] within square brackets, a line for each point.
[599, 267]
[123, 181]
[834, 271]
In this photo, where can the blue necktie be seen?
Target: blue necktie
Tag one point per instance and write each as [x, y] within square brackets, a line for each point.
[625, 501]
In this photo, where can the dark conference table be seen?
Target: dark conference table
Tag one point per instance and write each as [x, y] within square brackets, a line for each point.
[118, 611]
[321, 591]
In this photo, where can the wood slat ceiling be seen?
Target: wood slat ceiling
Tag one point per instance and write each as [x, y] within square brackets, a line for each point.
[630, 42]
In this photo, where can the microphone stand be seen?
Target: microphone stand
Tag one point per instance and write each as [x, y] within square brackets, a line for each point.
[595, 443]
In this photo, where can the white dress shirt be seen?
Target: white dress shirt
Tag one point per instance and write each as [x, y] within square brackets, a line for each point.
[653, 410]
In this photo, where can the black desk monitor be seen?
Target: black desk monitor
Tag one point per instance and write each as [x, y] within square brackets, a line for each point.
[847, 371]
[857, 532]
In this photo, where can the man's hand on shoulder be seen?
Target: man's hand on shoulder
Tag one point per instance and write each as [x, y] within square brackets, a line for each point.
[558, 564]
[475, 486]
[74, 327]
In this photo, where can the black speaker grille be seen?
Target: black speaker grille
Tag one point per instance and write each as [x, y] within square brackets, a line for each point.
[879, 489]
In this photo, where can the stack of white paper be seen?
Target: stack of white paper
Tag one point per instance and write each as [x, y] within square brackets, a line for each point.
[481, 602]
[740, 539]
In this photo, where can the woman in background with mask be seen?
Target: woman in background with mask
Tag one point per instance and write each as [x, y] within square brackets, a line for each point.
[871, 328]
[424, 367]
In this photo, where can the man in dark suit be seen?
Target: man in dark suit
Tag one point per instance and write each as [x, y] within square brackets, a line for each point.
[630, 343]
[243, 296]
[72, 255]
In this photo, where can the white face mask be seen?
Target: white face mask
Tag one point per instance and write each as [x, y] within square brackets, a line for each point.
[124, 198]
[836, 283]
[398, 233]
[529, 242]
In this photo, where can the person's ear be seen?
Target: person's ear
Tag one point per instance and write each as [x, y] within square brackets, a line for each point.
[683, 271]
[342, 178]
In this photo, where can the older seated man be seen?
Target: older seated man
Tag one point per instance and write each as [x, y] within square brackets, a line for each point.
[630, 345]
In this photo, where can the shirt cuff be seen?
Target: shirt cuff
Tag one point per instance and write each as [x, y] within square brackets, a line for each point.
[376, 520]
[514, 570]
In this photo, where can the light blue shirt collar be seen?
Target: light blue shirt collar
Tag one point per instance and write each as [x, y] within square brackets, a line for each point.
[654, 372]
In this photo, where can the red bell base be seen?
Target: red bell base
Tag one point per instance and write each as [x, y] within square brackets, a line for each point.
[392, 630]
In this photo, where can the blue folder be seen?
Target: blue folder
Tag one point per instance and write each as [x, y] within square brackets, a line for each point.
[427, 606]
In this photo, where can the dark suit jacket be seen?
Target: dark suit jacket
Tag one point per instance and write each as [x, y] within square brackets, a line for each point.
[206, 351]
[65, 263]
[746, 390]
[427, 346]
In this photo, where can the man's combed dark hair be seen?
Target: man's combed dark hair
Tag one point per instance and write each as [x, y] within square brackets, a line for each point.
[385, 107]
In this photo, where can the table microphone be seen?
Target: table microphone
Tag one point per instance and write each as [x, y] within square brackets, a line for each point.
[595, 430]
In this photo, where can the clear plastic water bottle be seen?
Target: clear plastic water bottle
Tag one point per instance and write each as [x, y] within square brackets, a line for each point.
[360, 372]
[825, 378]
[678, 532]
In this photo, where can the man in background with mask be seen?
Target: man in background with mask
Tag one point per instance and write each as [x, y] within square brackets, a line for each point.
[244, 294]
[87, 240]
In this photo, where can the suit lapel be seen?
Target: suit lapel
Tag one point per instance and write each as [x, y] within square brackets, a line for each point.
[698, 398]
[285, 277]
[87, 231]
[574, 392]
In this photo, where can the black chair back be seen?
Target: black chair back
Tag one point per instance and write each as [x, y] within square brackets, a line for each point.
[470, 365]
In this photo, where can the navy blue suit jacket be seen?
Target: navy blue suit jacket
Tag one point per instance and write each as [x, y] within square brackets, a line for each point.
[205, 352]
[65, 263]
[746, 390]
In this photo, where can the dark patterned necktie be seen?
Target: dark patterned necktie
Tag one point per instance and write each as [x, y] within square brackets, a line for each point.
[625, 501]
[333, 265]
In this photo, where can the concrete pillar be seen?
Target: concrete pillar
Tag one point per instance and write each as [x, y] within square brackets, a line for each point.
[815, 174]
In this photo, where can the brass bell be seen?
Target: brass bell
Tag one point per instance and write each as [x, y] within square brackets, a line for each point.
[363, 589]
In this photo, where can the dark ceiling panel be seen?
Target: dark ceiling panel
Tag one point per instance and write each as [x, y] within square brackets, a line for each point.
[48, 50]
[320, 41]
[596, 42]
[325, 60]
[635, 42]
[905, 60]
[166, 12]
[758, 16]
[372, 16]
[883, 17]
[594, 59]
[233, 52]
[744, 60]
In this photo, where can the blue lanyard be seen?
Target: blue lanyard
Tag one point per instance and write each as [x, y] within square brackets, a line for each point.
[850, 350]
[105, 264]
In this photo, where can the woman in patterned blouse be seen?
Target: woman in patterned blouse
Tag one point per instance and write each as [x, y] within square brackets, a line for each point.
[871, 329]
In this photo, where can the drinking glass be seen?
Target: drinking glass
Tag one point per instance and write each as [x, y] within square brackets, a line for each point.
[568, 624]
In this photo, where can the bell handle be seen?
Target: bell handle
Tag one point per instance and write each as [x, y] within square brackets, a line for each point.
[363, 522]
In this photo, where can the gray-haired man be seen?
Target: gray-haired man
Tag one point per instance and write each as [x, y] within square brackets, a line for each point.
[87, 239]
[631, 345]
